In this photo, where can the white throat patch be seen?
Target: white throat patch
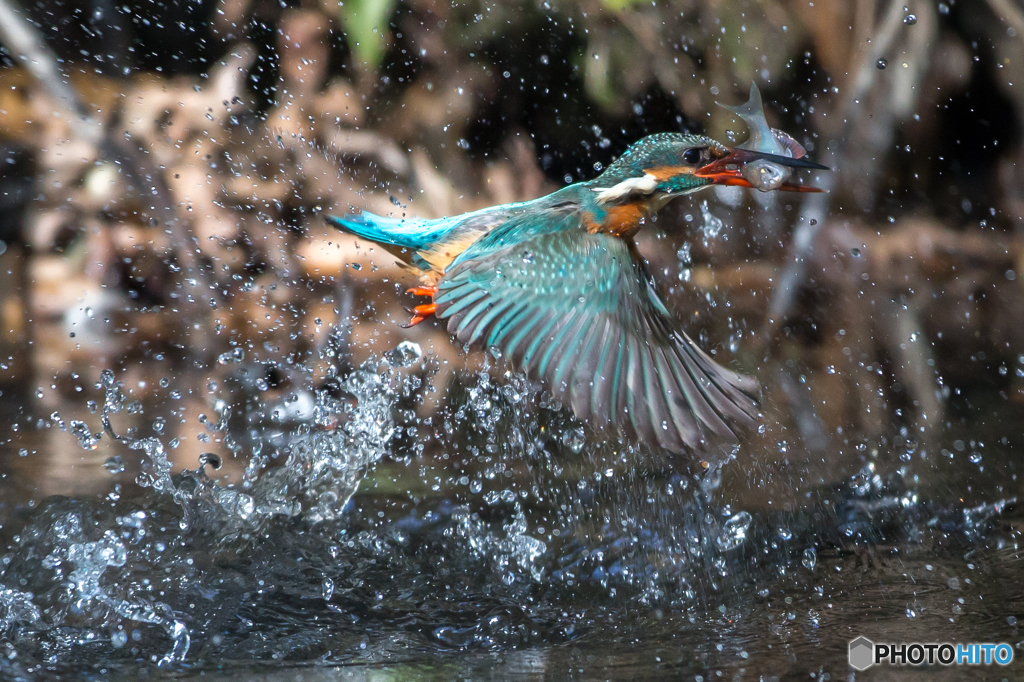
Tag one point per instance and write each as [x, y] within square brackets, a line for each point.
[645, 185]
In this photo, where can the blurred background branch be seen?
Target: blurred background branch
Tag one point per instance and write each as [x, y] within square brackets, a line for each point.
[173, 208]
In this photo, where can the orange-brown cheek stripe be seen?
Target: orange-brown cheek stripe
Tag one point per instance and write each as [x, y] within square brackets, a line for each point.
[660, 173]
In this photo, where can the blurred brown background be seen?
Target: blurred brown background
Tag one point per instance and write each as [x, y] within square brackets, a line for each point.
[165, 166]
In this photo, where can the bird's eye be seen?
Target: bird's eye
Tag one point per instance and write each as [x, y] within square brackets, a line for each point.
[693, 156]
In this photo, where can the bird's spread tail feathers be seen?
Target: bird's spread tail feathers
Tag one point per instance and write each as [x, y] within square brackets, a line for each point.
[409, 233]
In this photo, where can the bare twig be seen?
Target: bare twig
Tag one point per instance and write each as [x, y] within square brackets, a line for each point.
[815, 208]
[28, 47]
[1008, 13]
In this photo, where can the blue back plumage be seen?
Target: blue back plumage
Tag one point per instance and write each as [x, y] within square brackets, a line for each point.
[427, 244]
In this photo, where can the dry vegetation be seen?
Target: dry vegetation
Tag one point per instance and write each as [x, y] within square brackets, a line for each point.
[174, 212]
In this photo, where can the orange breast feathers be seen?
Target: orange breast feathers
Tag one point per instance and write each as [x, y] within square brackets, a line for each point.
[622, 220]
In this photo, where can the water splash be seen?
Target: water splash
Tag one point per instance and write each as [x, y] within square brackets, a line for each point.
[543, 525]
[711, 225]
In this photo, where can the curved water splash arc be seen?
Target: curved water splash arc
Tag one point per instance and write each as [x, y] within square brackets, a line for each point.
[132, 573]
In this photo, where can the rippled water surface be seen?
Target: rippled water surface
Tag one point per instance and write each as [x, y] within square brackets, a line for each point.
[495, 539]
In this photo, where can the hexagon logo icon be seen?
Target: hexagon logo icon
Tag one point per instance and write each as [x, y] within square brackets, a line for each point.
[862, 653]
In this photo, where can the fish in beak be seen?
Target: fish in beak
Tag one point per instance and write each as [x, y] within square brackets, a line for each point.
[767, 159]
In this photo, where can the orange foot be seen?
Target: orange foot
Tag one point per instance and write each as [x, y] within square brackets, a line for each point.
[425, 290]
[422, 312]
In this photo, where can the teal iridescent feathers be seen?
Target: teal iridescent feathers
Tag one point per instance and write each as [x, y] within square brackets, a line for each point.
[579, 312]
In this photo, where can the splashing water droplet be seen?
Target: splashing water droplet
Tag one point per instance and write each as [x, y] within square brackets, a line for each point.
[810, 558]
[575, 439]
[734, 532]
[114, 465]
[910, 19]
[881, 63]
[711, 226]
[405, 354]
[327, 589]
[234, 355]
[86, 439]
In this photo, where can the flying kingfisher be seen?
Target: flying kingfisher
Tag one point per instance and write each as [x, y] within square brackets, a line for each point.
[556, 285]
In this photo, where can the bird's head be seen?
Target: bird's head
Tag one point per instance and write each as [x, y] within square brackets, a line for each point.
[660, 167]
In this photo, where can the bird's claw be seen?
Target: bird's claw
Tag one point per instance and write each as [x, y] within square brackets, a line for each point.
[424, 311]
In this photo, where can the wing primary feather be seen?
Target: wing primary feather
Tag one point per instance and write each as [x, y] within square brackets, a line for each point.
[657, 401]
[613, 405]
[508, 323]
[732, 391]
[451, 292]
[680, 413]
[529, 326]
[722, 404]
[500, 308]
[593, 386]
[576, 349]
[699, 402]
[544, 336]
[628, 388]
[561, 341]
[468, 322]
[462, 303]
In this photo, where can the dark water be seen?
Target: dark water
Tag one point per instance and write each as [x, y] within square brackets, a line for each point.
[495, 539]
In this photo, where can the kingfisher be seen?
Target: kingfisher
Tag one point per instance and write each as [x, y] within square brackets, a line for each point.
[557, 287]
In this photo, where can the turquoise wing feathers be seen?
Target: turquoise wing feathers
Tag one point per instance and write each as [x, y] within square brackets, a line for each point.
[579, 312]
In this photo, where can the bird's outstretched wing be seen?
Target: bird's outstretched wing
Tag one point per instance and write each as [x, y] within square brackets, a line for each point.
[579, 312]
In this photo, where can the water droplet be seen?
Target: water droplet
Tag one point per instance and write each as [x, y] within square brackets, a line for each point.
[234, 355]
[943, 8]
[85, 437]
[684, 255]
[327, 589]
[118, 638]
[574, 439]
[712, 225]
[734, 532]
[405, 354]
[855, 252]
[114, 465]
[475, 486]
[881, 63]
[810, 558]
[910, 19]
[785, 533]
[209, 459]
